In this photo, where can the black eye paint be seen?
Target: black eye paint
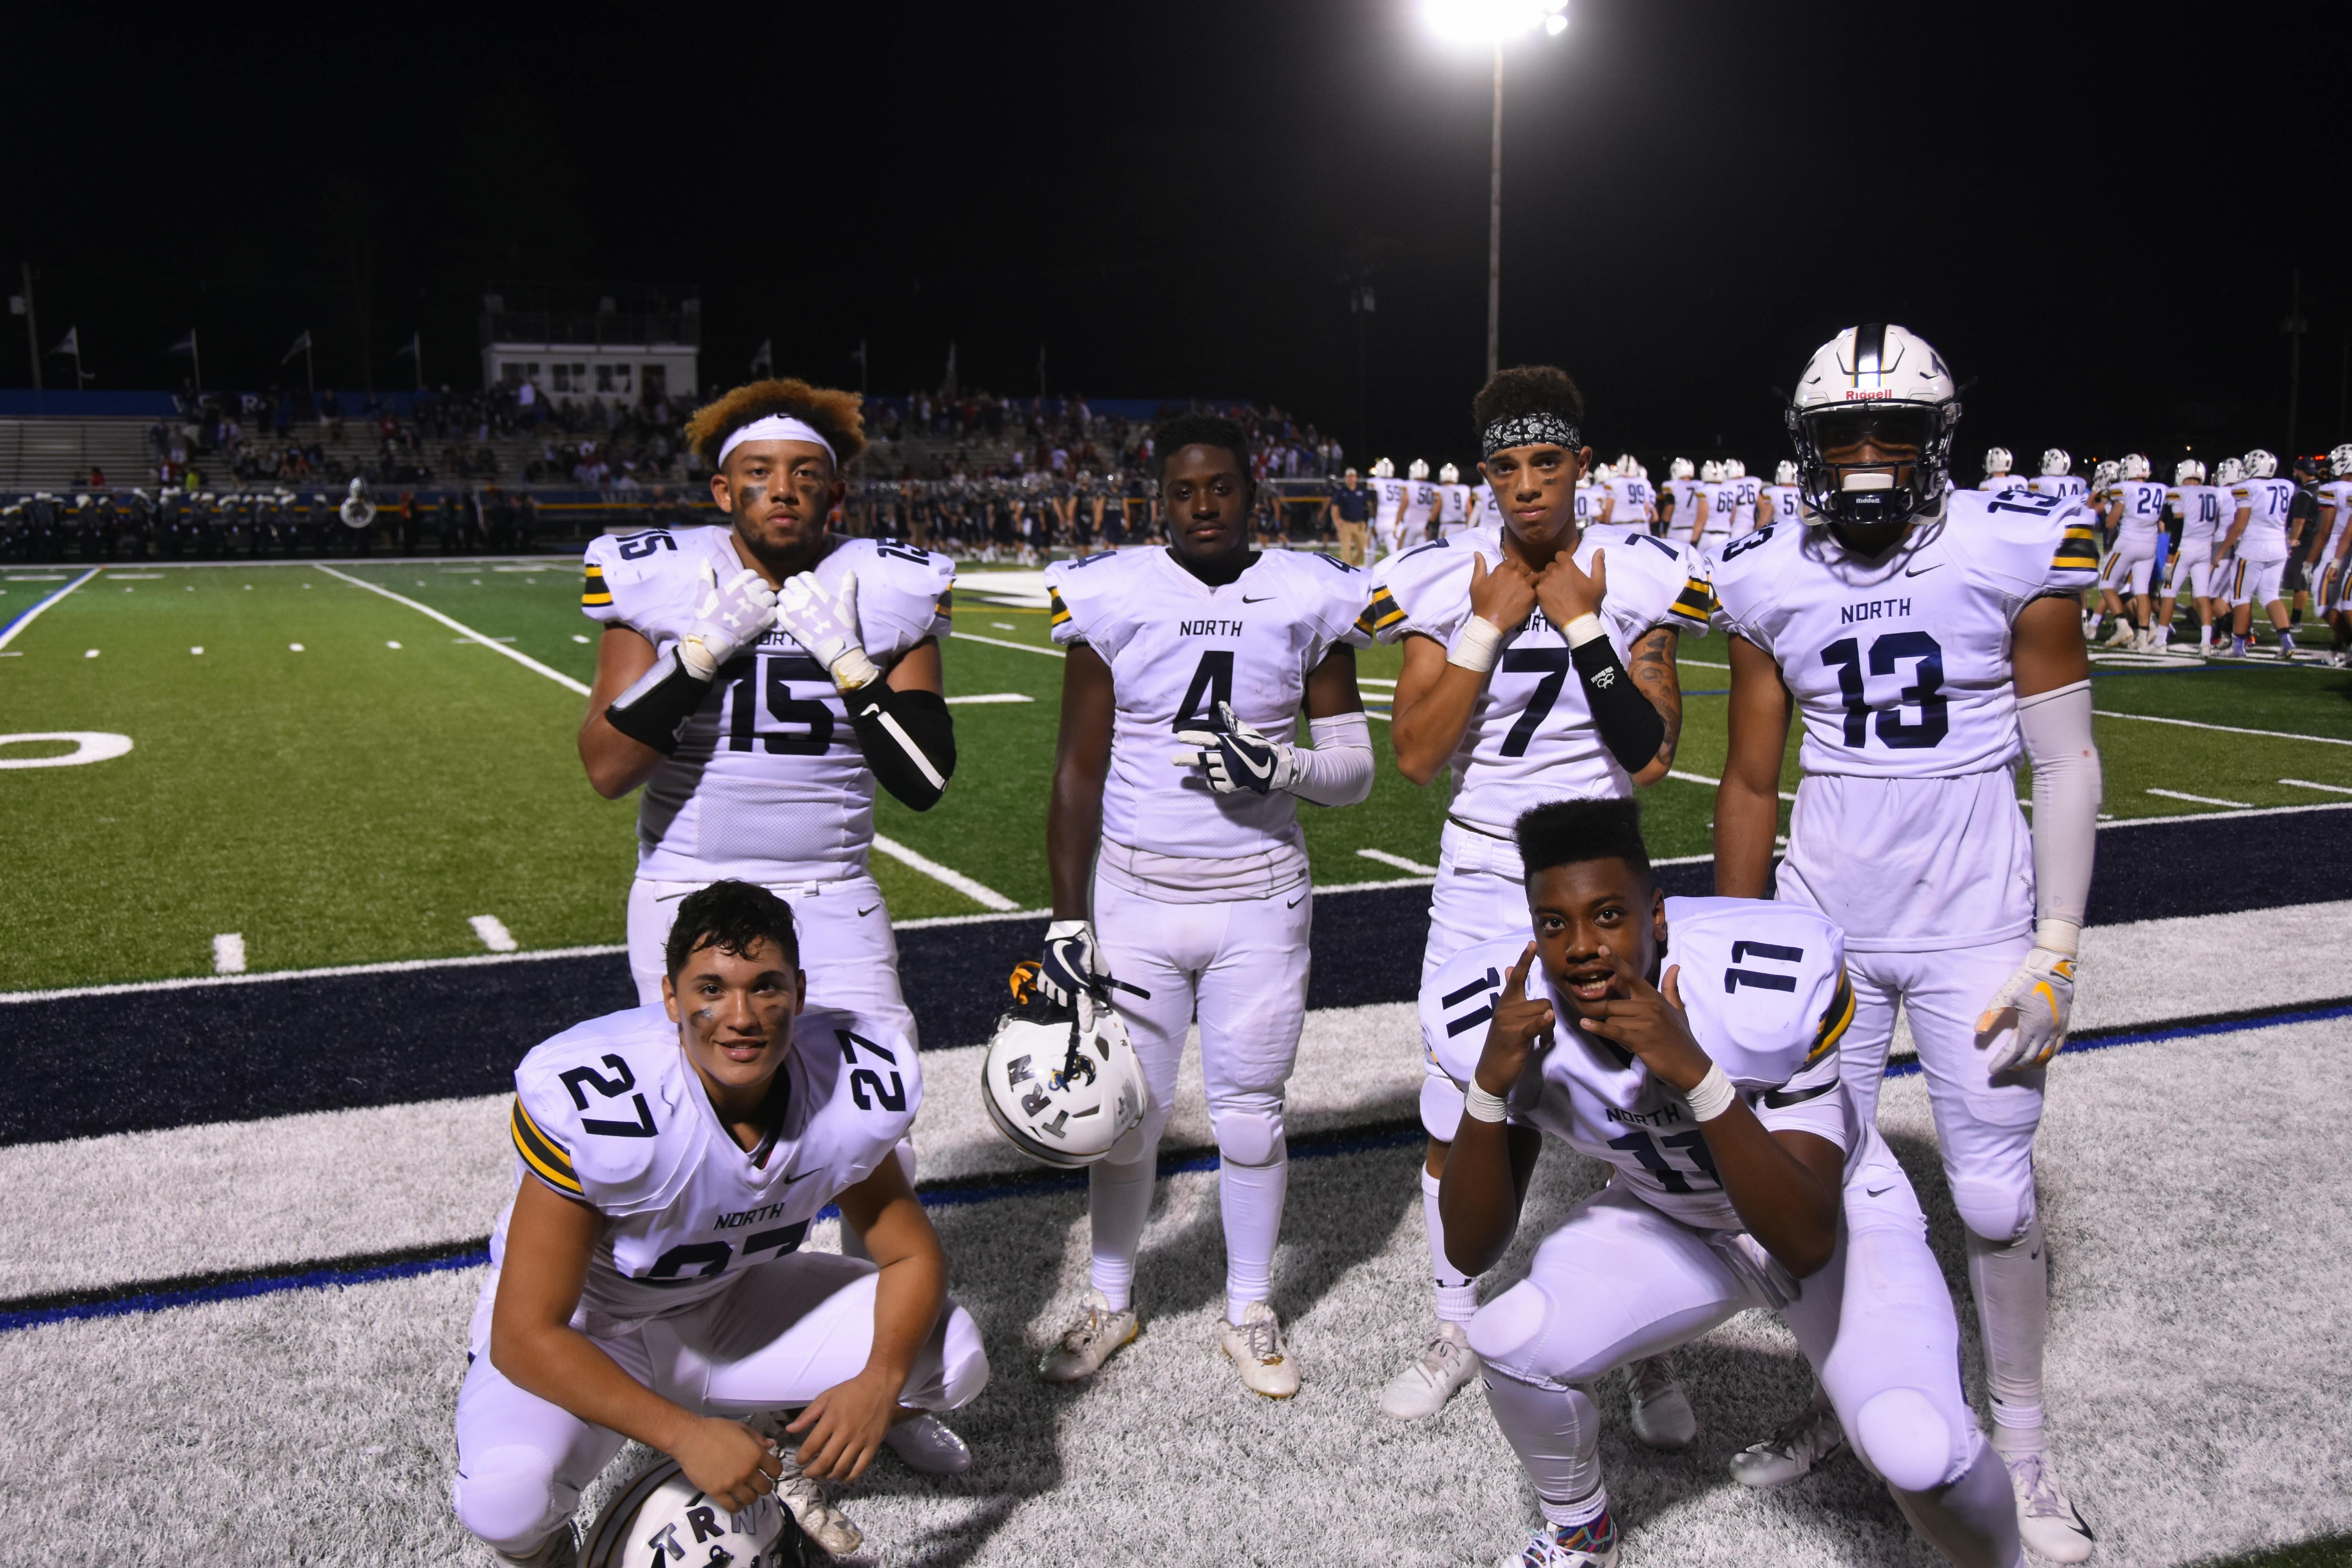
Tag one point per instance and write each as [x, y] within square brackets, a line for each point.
[753, 494]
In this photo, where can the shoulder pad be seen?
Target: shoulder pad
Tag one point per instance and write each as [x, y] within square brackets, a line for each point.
[1082, 596]
[1458, 999]
[599, 1111]
[1424, 590]
[647, 579]
[1742, 575]
[1764, 984]
[902, 592]
[864, 1071]
[1651, 580]
[1325, 592]
[2022, 543]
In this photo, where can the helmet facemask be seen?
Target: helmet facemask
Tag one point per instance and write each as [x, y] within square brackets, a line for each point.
[1889, 462]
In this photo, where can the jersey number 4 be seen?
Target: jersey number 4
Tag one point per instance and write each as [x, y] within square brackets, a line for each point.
[1212, 683]
[1935, 719]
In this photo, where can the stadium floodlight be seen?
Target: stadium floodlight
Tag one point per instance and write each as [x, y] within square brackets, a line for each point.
[1495, 22]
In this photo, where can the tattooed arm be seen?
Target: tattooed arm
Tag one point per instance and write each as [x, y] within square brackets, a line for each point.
[1657, 678]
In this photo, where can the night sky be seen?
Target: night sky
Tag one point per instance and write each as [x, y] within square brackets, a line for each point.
[2100, 226]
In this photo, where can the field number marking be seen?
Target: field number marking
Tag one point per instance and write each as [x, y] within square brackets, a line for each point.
[90, 746]
[228, 952]
[493, 932]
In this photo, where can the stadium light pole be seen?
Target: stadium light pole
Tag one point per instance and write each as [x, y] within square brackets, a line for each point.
[1496, 23]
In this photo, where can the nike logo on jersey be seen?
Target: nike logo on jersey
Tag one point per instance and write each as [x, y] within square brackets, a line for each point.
[1293, 903]
[1261, 599]
[868, 910]
[1878, 1192]
[1920, 571]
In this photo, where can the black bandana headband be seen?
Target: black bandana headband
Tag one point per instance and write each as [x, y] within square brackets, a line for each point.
[1526, 430]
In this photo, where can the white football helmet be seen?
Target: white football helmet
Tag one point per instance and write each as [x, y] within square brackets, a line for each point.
[1710, 472]
[2134, 466]
[1998, 461]
[1449, 475]
[2189, 471]
[1733, 469]
[1420, 471]
[1680, 469]
[1062, 1083]
[2105, 475]
[1881, 383]
[1786, 474]
[2340, 461]
[2056, 461]
[662, 1517]
[1626, 467]
[2261, 465]
[2229, 471]
[1383, 469]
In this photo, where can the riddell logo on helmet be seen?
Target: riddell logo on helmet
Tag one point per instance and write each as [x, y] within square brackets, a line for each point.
[1855, 394]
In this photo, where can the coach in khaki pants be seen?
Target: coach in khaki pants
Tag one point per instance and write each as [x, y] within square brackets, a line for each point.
[1351, 506]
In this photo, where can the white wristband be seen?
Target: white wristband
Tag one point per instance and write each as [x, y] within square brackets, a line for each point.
[1480, 1106]
[1583, 630]
[2058, 936]
[1711, 1096]
[1479, 646]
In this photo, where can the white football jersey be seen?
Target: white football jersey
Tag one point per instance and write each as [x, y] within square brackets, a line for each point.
[1453, 508]
[610, 1112]
[1718, 529]
[1485, 511]
[2336, 494]
[2270, 501]
[1636, 503]
[1388, 495]
[2065, 487]
[2204, 512]
[1685, 495]
[1766, 989]
[1531, 737]
[1588, 504]
[2001, 484]
[1176, 649]
[1784, 504]
[1744, 494]
[2140, 516]
[768, 783]
[1420, 496]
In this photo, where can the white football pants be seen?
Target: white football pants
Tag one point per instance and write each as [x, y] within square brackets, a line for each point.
[2192, 568]
[1619, 1282]
[847, 948]
[2254, 581]
[2128, 568]
[1480, 895]
[781, 1335]
[1239, 966]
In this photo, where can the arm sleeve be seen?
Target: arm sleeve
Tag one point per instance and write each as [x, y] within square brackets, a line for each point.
[2056, 728]
[1629, 726]
[654, 711]
[1338, 771]
[908, 738]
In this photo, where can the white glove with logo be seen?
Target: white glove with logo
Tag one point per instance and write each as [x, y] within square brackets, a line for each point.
[730, 616]
[2026, 1023]
[826, 625]
[1071, 967]
[1235, 757]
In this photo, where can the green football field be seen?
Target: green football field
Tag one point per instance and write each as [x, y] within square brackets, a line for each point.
[334, 776]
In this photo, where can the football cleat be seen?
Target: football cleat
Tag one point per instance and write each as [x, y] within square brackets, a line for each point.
[1661, 1411]
[1808, 1438]
[1592, 1545]
[560, 1550]
[2121, 634]
[925, 1446]
[2286, 647]
[1256, 1345]
[1089, 1341]
[1446, 1362]
[2051, 1525]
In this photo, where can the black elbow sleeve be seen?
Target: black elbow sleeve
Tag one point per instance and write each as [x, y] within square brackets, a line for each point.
[908, 738]
[656, 708]
[1629, 726]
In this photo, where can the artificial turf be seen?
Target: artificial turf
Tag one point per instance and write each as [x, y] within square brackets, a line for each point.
[355, 803]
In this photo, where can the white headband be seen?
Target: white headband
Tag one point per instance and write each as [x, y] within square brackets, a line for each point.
[776, 428]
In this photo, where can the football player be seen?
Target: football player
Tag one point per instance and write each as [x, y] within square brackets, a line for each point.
[1714, 507]
[759, 680]
[1537, 665]
[1921, 637]
[1178, 867]
[2327, 559]
[2135, 514]
[1388, 509]
[1418, 521]
[2057, 476]
[1782, 500]
[647, 1280]
[1453, 512]
[1678, 498]
[1743, 494]
[1997, 480]
[1629, 504]
[1742, 1177]
[2198, 505]
[2259, 544]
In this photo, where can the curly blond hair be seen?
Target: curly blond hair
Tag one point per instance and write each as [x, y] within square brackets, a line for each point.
[831, 412]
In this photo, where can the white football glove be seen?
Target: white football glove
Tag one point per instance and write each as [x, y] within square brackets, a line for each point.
[730, 617]
[826, 625]
[1235, 757]
[1071, 968]
[2026, 1023]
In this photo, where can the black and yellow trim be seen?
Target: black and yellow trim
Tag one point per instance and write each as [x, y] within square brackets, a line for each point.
[1835, 1020]
[543, 1155]
[1058, 612]
[2077, 551]
[593, 594]
[944, 606]
[1381, 614]
[1696, 602]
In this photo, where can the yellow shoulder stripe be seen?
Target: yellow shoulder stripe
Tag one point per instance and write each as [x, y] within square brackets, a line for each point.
[1381, 614]
[1696, 600]
[543, 1155]
[595, 591]
[1057, 611]
[1834, 1021]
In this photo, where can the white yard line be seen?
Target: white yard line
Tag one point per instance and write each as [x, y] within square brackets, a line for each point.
[985, 896]
[2207, 816]
[493, 932]
[398, 966]
[1016, 647]
[2202, 799]
[29, 617]
[1703, 779]
[991, 697]
[2312, 784]
[2225, 729]
[495, 645]
[1399, 861]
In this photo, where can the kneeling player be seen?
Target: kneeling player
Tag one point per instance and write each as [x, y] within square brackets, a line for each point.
[646, 1283]
[1742, 1179]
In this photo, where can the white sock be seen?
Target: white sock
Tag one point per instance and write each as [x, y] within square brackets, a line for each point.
[1457, 1294]
[1118, 1200]
[1250, 1198]
[2011, 1285]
